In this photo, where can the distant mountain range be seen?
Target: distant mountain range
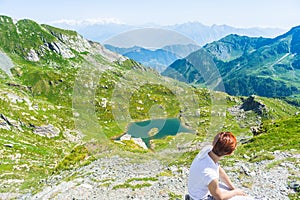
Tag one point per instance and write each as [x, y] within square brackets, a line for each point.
[141, 43]
[203, 34]
[158, 59]
[262, 66]
[196, 31]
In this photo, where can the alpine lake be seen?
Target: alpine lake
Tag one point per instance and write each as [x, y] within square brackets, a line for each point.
[155, 129]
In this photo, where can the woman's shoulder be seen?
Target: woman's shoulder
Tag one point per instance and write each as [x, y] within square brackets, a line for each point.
[204, 152]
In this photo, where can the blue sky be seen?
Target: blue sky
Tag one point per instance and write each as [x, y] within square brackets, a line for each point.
[238, 13]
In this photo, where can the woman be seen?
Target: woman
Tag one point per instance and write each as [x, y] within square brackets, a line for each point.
[203, 181]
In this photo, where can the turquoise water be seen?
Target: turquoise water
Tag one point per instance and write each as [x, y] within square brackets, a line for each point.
[169, 126]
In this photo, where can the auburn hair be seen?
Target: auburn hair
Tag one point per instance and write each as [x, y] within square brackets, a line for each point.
[224, 143]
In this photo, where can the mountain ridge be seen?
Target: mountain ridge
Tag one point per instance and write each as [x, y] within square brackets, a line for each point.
[262, 66]
[157, 59]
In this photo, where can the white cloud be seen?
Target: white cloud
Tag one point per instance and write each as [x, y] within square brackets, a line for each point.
[87, 22]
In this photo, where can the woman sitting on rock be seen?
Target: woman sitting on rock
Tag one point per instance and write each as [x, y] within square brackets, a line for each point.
[203, 181]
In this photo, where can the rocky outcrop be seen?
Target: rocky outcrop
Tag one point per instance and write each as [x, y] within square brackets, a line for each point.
[32, 56]
[140, 142]
[256, 130]
[73, 135]
[111, 56]
[22, 87]
[46, 131]
[242, 113]
[252, 104]
[137, 141]
[73, 40]
[125, 137]
[60, 48]
[7, 122]
[4, 124]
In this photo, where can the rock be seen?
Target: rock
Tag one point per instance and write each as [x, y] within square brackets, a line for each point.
[59, 48]
[35, 107]
[295, 185]
[276, 152]
[119, 142]
[111, 56]
[32, 56]
[8, 121]
[22, 87]
[87, 186]
[76, 114]
[256, 130]
[247, 171]
[104, 102]
[251, 104]
[140, 142]
[46, 131]
[62, 49]
[245, 140]
[173, 169]
[10, 195]
[76, 42]
[14, 98]
[8, 145]
[73, 135]
[125, 137]
[197, 113]
[4, 125]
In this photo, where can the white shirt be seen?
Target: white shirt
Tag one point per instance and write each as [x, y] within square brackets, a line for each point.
[203, 170]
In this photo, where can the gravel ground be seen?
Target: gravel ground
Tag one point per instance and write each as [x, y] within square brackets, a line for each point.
[121, 178]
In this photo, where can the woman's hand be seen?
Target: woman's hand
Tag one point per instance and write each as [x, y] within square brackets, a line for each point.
[239, 192]
[218, 194]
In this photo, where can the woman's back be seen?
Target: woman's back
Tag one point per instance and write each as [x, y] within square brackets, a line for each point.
[202, 171]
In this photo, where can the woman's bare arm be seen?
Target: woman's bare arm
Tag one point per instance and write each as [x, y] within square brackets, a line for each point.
[223, 195]
[225, 178]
